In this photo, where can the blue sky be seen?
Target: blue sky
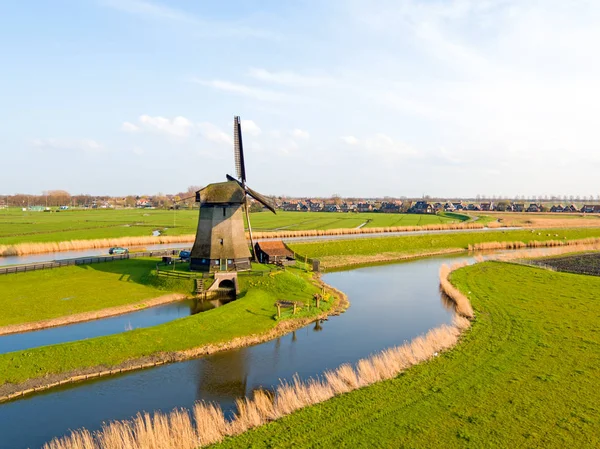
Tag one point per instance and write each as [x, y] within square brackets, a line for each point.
[358, 98]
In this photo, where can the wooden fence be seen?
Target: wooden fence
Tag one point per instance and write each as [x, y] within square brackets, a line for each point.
[84, 261]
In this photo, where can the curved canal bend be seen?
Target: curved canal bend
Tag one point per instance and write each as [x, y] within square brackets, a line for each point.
[389, 304]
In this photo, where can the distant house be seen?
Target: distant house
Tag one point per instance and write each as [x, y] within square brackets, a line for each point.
[489, 206]
[533, 207]
[332, 208]
[315, 206]
[142, 203]
[348, 207]
[422, 207]
[504, 206]
[570, 208]
[274, 252]
[591, 209]
[389, 207]
[518, 207]
[557, 208]
[304, 207]
[473, 207]
[364, 207]
[458, 206]
[289, 206]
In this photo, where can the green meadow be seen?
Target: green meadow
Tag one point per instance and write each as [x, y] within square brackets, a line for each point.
[414, 244]
[46, 294]
[17, 226]
[524, 375]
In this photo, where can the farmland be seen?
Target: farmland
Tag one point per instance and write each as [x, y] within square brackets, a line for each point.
[525, 375]
[575, 263]
[82, 288]
[340, 250]
[17, 226]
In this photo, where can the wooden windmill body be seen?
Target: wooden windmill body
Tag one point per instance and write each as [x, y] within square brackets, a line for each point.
[221, 243]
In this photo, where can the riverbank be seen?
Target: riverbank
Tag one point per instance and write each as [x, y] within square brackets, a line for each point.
[241, 323]
[93, 315]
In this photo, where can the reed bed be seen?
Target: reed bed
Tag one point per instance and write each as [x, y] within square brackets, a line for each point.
[484, 246]
[23, 249]
[206, 424]
[463, 305]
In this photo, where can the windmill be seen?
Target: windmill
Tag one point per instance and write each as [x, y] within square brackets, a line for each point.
[220, 243]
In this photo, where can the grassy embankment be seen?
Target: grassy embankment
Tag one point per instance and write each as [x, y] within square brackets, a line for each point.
[252, 314]
[525, 375]
[47, 294]
[339, 253]
[19, 227]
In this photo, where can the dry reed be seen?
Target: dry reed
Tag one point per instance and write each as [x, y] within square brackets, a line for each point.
[484, 246]
[463, 305]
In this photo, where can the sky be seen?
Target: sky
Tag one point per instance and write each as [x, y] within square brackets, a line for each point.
[356, 98]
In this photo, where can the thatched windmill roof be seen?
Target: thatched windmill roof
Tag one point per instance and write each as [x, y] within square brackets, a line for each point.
[222, 193]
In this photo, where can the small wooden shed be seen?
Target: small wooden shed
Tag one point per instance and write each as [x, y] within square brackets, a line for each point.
[274, 252]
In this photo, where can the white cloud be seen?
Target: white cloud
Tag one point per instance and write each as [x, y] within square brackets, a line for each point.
[350, 140]
[214, 134]
[178, 126]
[249, 127]
[300, 134]
[138, 151]
[129, 127]
[192, 23]
[383, 144]
[256, 93]
[85, 145]
[287, 78]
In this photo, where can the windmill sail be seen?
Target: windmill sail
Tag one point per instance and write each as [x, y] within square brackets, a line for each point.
[238, 149]
[254, 194]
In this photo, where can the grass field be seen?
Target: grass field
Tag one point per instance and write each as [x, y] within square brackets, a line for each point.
[46, 294]
[336, 250]
[17, 226]
[252, 313]
[525, 375]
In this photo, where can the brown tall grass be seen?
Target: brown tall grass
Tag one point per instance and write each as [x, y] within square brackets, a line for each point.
[22, 249]
[206, 424]
[484, 246]
[463, 305]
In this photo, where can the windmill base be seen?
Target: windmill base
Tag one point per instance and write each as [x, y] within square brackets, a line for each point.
[212, 265]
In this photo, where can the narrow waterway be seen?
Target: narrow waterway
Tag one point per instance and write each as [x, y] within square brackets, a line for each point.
[389, 304]
[151, 316]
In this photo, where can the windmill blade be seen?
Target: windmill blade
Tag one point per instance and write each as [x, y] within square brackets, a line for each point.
[254, 194]
[238, 149]
[261, 199]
